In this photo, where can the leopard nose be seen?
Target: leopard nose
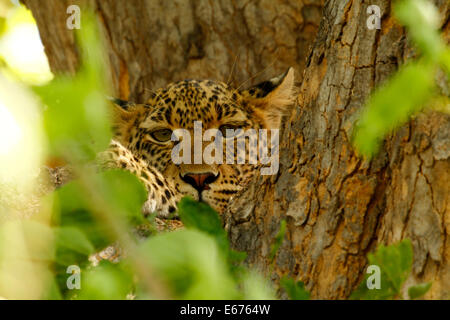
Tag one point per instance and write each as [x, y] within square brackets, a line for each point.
[200, 181]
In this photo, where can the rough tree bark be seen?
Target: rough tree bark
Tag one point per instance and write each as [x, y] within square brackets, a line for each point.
[338, 207]
[151, 43]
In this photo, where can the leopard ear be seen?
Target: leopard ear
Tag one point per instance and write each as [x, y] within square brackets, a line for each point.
[123, 104]
[272, 99]
[122, 110]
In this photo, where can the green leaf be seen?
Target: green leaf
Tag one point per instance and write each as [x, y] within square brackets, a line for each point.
[395, 263]
[392, 105]
[52, 292]
[76, 120]
[294, 289]
[419, 290]
[421, 19]
[385, 292]
[278, 240]
[119, 192]
[191, 264]
[73, 247]
[125, 192]
[2, 25]
[74, 239]
[71, 209]
[200, 216]
[445, 61]
[412, 86]
[107, 281]
[236, 256]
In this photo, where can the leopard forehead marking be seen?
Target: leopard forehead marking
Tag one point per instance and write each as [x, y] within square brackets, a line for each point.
[182, 103]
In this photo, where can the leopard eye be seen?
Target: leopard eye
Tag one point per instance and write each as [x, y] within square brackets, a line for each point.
[162, 135]
[223, 129]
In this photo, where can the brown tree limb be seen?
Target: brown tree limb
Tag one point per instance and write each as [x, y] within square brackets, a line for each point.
[338, 207]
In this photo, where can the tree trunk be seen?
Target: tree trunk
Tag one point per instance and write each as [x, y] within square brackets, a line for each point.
[151, 43]
[338, 207]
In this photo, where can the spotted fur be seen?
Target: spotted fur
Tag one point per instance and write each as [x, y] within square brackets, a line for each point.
[215, 104]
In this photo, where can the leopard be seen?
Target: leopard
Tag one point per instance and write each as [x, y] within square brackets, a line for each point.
[143, 137]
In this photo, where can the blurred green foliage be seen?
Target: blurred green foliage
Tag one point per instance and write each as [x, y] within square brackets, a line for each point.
[2, 25]
[191, 264]
[100, 209]
[77, 118]
[22, 55]
[413, 86]
[200, 216]
[388, 107]
[418, 291]
[395, 263]
[278, 241]
[294, 289]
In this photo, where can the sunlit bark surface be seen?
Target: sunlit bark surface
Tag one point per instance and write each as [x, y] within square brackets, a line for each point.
[337, 206]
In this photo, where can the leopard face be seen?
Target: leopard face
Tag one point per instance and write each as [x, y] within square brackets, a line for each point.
[146, 130]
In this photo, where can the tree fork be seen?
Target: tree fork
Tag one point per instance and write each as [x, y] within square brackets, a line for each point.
[338, 207]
